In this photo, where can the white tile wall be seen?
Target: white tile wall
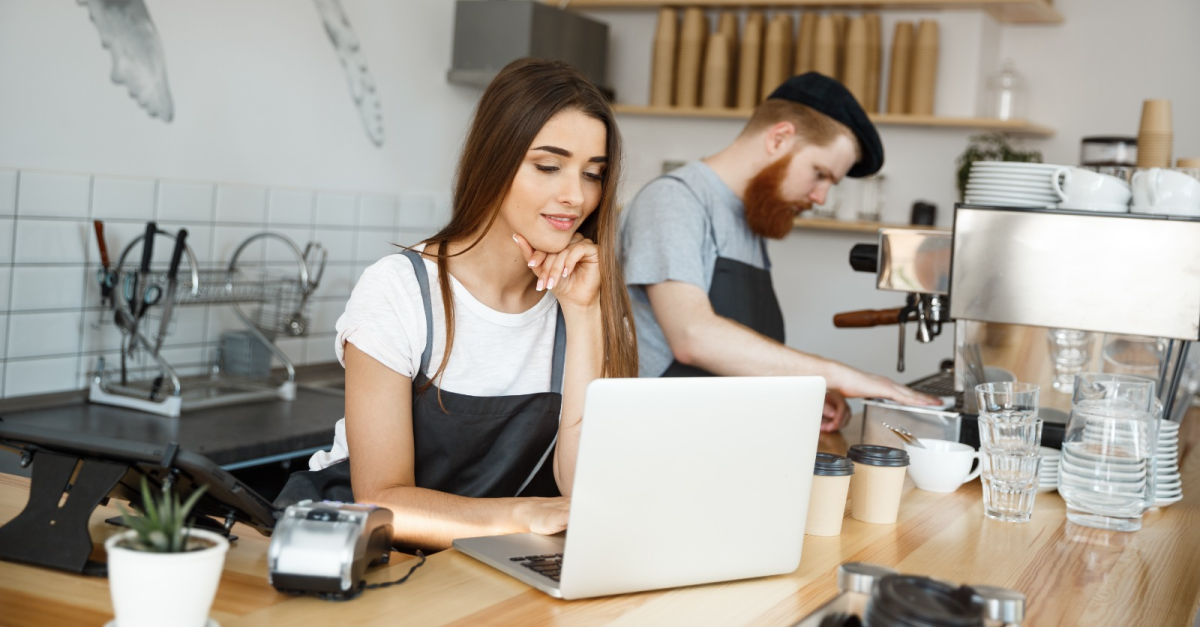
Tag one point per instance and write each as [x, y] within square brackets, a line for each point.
[132, 199]
[237, 203]
[8, 192]
[52, 325]
[187, 202]
[53, 195]
[336, 209]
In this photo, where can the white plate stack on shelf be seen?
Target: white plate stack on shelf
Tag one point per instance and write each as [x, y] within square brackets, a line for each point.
[1168, 486]
[1048, 473]
[1012, 184]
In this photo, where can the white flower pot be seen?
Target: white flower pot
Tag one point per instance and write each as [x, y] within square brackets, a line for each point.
[154, 589]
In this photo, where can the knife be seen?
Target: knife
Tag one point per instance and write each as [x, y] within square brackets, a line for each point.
[137, 302]
[106, 277]
[172, 281]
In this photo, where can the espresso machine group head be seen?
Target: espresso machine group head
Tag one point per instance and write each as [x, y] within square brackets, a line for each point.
[912, 261]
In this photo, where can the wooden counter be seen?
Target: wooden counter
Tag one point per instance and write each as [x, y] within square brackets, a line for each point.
[1071, 574]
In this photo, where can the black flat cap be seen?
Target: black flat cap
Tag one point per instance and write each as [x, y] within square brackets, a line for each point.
[833, 99]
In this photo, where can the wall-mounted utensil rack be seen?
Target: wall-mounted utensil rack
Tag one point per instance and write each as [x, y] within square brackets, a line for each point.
[269, 302]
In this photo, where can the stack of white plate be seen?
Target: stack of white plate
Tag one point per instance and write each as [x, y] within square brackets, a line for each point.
[1168, 485]
[1012, 184]
[1048, 473]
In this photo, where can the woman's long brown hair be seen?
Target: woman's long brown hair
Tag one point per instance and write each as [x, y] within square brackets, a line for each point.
[513, 110]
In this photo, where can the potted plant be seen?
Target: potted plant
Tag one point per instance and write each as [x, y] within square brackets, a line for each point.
[160, 571]
[990, 147]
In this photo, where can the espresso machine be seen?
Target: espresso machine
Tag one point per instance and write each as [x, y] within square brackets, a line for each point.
[1003, 276]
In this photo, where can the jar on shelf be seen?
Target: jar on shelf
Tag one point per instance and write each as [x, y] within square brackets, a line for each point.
[1006, 95]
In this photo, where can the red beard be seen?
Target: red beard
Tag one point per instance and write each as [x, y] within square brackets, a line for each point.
[767, 213]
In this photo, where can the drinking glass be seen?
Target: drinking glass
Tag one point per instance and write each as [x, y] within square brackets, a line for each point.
[1107, 470]
[1010, 434]
[1070, 351]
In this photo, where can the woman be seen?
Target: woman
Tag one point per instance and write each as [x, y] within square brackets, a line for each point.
[467, 356]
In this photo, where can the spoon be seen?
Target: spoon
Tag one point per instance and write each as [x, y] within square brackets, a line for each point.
[904, 435]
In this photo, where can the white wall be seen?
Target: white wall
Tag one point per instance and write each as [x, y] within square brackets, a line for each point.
[261, 100]
[260, 96]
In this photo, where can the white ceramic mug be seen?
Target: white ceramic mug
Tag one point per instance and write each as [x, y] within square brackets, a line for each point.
[1162, 189]
[942, 466]
[1078, 188]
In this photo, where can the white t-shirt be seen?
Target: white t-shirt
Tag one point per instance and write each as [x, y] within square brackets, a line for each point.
[495, 353]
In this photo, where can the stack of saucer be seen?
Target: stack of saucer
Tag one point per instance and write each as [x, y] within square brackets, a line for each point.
[1012, 184]
[1048, 474]
[1168, 486]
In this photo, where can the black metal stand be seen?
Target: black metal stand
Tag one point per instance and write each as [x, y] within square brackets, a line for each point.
[45, 534]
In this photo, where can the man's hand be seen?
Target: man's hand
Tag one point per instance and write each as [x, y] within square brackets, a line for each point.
[836, 412]
[854, 383]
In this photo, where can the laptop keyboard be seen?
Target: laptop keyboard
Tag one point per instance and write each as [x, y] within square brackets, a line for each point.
[546, 565]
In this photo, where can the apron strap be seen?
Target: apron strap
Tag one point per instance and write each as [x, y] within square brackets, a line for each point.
[560, 351]
[418, 262]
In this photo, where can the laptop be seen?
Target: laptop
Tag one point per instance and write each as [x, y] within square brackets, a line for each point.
[679, 481]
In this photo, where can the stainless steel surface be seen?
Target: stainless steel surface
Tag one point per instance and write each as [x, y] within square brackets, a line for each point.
[922, 422]
[489, 34]
[1112, 273]
[1001, 604]
[860, 576]
[914, 261]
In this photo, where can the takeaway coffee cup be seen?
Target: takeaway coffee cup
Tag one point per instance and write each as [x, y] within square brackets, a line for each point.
[1091, 191]
[942, 466]
[876, 484]
[827, 500]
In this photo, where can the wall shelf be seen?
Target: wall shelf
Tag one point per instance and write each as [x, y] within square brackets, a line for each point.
[847, 226]
[1004, 11]
[1016, 127]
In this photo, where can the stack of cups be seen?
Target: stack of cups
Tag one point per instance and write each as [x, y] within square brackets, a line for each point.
[1155, 135]
[876, 483]
[923, 87]
[1071, 352]
[1010, 436]
[827, 500]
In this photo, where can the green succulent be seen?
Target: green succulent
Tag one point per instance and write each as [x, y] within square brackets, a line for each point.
[162, 528]
[990, 147]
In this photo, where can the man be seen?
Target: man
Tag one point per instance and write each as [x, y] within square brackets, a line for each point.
[695, 258]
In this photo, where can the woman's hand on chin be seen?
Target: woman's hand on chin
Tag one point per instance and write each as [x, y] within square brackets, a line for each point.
[573, 273]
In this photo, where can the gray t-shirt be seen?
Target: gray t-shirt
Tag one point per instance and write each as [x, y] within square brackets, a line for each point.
[674, 230]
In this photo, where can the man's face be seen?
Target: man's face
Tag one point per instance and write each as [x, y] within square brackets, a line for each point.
[793, 183]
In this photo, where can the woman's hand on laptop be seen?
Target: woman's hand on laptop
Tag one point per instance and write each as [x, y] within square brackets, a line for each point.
[546, 516]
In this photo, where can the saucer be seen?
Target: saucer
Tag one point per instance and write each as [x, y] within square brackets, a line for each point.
[1167, 501]
[1097, 207]
[1187, 212]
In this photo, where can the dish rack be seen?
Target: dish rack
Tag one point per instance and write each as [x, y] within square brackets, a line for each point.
[269, 301]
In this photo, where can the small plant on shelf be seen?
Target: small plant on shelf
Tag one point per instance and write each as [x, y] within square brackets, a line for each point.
[162, 526]
[990, 147]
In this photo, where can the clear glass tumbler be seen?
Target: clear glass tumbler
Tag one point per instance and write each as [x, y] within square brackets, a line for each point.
[1107, 469]
[1010, 434]
[1070, 351]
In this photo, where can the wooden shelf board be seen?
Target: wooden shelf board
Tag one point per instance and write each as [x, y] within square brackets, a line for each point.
[1019, 127]
[1004, 11]
[857, 226]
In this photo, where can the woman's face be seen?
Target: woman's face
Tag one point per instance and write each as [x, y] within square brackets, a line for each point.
[558, 183]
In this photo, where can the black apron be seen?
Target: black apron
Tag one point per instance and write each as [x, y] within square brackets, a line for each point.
[478, 446]
[740, 292]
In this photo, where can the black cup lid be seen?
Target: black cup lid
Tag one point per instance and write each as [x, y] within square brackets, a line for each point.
[875, 455]
[830, 465]
[912, 601]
